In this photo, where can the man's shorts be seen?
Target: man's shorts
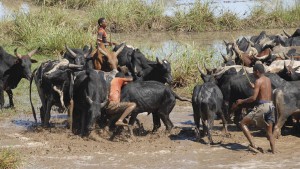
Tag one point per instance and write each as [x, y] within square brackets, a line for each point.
[262, 114]
[117, 107]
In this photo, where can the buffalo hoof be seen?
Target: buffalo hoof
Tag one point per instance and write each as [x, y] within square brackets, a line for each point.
[9, 106]
[94, 136]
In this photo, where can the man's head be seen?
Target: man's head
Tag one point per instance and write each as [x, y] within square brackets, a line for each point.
[258, 69]
[102, 22]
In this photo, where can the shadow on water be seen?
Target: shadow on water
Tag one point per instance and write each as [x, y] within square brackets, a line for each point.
[57, 121]
[234, 146]
[185, 133]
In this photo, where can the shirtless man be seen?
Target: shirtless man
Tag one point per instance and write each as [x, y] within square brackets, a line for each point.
[263, 114]
[115, 106]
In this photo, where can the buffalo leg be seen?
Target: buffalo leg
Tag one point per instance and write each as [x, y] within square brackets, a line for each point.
[205, 128]
[83, 122]
[224, 122]
[10, 96]
[156, 122]
[166, 120]
[196, 115]
[42, 114]
[47, 112]
[210, 124]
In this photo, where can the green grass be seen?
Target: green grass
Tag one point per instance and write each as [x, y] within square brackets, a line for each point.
[72, 4]
[9, 159]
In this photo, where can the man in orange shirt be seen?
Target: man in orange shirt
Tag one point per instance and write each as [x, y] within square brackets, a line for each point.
[115, 106]
[101, 33]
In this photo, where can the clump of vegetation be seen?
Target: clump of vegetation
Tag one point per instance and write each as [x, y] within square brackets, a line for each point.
[51, 29]
[73, 4]
[9, 159]
[199, 18]
[130, 15]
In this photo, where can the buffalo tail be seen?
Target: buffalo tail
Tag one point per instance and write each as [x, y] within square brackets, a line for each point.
[32, 107]
[181, 98]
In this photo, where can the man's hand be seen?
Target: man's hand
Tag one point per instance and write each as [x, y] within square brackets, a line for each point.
[239, 101]
[236, 104]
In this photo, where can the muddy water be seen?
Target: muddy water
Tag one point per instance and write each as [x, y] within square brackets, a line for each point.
[58, 148]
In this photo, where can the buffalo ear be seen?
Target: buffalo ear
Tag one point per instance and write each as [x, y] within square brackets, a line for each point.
[33, 61]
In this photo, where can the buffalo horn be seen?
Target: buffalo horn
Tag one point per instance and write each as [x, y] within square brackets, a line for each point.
[286, 56]
[288, 35]
[207, 69]
[120, 49]
[89, 52]
[158, 61]
[102, 51]
[233, 56]
[33, 52]
[70, 51]
[103, 104]
[224, 57]
[75, 66]
[17, 54]
[89, 100]
[226, 43]
[198, 66]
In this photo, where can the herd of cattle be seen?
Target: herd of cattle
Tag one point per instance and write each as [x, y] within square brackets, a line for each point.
[79, 83]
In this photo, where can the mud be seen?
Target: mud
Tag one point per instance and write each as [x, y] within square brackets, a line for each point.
[59, 148]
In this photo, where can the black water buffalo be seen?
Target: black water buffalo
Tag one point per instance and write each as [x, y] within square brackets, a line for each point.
[12, 70]
[54, 82]
[289, 73]
[143, 69]
[90, 96]
[153, 97]
[207, 101]
[78, 56]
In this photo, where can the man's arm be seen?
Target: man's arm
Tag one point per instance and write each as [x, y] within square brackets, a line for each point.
[254, 96]
[127, 79]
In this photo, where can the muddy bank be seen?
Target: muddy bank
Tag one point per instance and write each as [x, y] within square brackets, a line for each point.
[59, 148]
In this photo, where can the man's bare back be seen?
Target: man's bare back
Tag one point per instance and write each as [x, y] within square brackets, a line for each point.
[264, 89]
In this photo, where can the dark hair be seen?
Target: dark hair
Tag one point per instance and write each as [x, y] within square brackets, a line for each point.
[100, 20]
[259, 67]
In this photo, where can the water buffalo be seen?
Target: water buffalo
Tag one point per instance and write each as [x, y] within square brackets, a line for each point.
[90, 96]
[54, 82]
[153, 97]
[207, 101]
[142, 68]
[12, 70]
[105, 59]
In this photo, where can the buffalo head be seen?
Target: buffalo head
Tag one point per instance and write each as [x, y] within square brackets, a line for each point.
[110, 59]
[164, 68]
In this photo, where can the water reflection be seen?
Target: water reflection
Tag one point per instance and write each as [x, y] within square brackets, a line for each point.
[6, 12]
[163, 44]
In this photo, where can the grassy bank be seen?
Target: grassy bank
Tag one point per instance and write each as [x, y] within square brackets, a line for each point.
[51, 24]
[55, 22]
